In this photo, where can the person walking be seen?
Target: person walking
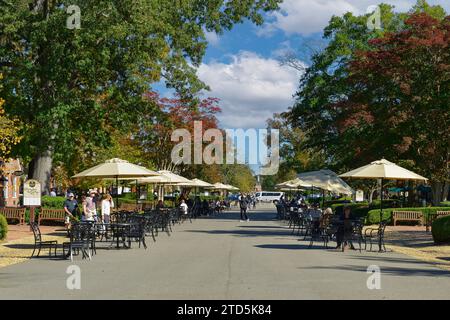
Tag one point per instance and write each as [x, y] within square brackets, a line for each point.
[243, 204]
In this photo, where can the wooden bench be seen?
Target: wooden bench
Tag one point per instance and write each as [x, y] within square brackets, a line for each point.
[14, 214]
[407, 216]
[432, 217]
[130, 207]
[51, 215]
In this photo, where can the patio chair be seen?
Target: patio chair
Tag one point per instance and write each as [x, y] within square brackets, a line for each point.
[354, 235]
[80, 239]
[39, 244]
[318, 233]
[137, 230]
[375, 233]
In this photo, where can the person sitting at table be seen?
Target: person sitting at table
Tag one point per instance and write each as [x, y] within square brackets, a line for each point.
[160, 205]
[325, 218]
[184, 207]
[345, 227]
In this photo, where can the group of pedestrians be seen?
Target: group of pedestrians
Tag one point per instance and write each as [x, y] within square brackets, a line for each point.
[94, 207]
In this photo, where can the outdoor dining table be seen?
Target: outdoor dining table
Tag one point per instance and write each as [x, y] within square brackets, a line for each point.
[120, 230]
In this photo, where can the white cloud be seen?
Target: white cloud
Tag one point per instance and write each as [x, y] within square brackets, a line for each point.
[251, 88]
[212, 38]
[310, 16]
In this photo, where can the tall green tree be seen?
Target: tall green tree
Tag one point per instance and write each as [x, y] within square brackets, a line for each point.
[70, 86]
[377, 93]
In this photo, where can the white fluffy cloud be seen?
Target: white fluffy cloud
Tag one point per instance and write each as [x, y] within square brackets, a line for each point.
[310, 16]
[212, 38]
[251, 88]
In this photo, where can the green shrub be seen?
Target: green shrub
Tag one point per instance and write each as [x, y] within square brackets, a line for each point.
[373, 216]
[3, 227]
[445, 204]
[441, 230]
[53, 202]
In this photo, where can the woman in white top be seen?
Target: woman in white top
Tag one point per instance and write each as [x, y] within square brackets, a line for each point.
[107, 204]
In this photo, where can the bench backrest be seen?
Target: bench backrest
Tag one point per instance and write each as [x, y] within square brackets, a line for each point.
[442, 214]
[407, 214]
[52, 214]
[12, 212]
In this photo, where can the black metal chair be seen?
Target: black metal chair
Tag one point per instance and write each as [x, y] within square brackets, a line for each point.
[39, 244]
[137, 229]
[318, 233]
[375, 233]
[80, 240]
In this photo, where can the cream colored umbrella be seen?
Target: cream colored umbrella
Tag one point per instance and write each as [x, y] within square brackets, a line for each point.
[219, 186]
[384, 170]
[117, 169]
[326, 180]
[294, 183]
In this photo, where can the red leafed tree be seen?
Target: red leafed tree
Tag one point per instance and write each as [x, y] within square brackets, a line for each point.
[155, 131]
[400, 102]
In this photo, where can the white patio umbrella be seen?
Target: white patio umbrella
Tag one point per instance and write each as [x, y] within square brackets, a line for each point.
[384, 170]
[326, 180]
[196, 183]
[116, 169]
[219, 186]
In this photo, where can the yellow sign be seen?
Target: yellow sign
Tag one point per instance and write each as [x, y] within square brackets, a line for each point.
[32, 193]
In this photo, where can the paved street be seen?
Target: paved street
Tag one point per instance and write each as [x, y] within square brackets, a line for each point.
[222, 258]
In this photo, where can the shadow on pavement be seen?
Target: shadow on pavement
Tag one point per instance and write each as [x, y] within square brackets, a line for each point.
[244, 233]
[284, 246]
[394, 271]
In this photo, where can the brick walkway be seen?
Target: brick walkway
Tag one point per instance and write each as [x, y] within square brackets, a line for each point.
[16, 232]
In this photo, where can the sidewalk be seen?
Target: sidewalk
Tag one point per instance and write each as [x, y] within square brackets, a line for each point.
[19, 242]
[414, 241]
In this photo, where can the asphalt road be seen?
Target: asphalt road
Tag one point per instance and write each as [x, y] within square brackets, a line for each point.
[222, 258]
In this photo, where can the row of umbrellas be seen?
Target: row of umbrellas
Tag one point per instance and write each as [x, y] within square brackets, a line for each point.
[119, 169]
[327, 180]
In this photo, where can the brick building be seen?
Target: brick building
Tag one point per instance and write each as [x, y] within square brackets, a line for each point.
[10, 183]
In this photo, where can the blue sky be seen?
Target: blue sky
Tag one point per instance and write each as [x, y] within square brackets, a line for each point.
[242, 67]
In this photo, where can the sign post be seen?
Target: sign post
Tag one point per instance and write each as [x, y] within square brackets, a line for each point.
[32, 196]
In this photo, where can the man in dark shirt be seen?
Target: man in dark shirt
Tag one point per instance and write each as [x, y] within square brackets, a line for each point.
[243, 205]
[70, 207]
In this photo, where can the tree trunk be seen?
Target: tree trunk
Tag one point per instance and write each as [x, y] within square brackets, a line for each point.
[446, 191]
[42, 167]
[437, 191]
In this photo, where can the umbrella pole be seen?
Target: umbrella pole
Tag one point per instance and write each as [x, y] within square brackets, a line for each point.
[323, 198]
[381, 215]
[137, 194]
[117, 192]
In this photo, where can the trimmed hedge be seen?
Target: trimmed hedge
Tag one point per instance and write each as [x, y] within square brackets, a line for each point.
[373, 216]
[441, 230]
[3, 227]
[53, 202]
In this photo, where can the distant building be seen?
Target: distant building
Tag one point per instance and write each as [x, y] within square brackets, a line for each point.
[10, 183]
